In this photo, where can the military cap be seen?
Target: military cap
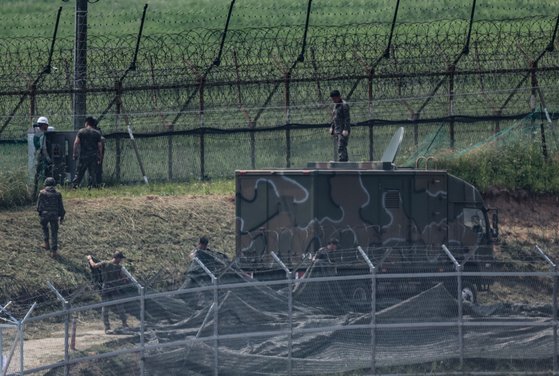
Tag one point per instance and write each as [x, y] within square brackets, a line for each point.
[335, 93]
[204, 240]
[119, 254]
[50, 182]
[333, 241]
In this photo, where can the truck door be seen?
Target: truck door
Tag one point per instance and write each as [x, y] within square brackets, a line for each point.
[429, 204]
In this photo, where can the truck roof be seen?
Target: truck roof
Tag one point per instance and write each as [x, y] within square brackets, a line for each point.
[337, 167]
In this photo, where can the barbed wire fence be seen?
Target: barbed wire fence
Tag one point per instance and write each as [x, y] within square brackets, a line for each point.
[347, 317]
[195, 98]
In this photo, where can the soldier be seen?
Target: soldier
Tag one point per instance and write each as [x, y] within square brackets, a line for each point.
[214, 261]
[340, 125]
[42, 159]
[324, 253]
[51, 209]
[88, 142]
[113, 279]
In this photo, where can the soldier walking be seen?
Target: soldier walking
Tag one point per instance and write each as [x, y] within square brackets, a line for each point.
[51, 210]
[340, 125]
[88, 144]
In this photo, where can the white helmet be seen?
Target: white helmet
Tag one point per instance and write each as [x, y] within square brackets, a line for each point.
[43, 120]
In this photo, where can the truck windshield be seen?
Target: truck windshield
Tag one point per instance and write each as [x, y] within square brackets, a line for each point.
[475, 220]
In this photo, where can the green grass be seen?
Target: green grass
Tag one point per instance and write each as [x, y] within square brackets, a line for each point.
[218, 186]
[37, 17]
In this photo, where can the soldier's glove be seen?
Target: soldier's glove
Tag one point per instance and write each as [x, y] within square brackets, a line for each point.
[345, 133]
[61, 220]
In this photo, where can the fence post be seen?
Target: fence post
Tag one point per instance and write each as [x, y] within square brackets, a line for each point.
[553, 272]
[373, 272]
[202, 125]
[141, 292]
[216, 313]
[118, 144]
[288, 121]
[458, 268]
[451, 71]
[289, 276]
[370, 109]
[33, 99]
[66, 325]
[20, 326]
[80, 64]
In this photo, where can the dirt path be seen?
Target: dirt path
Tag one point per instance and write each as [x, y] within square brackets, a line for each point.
[44, 351]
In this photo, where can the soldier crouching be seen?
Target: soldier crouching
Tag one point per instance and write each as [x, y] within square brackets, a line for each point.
[51, 209]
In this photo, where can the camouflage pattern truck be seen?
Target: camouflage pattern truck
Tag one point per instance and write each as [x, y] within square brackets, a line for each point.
[400, 216]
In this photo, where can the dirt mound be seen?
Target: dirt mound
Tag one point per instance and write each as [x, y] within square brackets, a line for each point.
[155, 232]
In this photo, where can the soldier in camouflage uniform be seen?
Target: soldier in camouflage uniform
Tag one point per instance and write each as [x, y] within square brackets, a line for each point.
[340, 126]
[113, 279]
[88, 143]
[51, 210]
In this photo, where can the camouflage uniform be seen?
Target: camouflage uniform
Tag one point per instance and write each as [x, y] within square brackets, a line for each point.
[112, 280]
[89, 157]
[50, 208]
[340, 123]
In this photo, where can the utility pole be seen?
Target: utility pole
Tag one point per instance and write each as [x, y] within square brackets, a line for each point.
[80, 64]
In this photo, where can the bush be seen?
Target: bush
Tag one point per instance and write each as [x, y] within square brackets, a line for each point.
[517, 165]
[14, 189]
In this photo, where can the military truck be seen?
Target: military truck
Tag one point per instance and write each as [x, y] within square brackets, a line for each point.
[401, 217]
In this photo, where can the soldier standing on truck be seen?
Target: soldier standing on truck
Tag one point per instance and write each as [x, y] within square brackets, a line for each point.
[340, 125]
[51, 210]
[113, 279]
[88, 143]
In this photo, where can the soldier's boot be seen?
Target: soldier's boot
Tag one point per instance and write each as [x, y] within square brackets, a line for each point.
[46, 245]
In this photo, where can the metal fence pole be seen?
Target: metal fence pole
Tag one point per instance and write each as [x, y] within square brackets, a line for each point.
[1, 352]
[141, 292]
[20, 326]
[66, 326]
[553, 273]
[451, 71]
[287, 120]
[458, 268]
[373, 272]
[202, 126]
[289, 276]
[216, 313]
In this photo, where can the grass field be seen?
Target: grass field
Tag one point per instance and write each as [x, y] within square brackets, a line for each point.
[21, 17]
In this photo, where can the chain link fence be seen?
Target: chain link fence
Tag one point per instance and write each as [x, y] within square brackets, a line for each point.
[215, 318]
[267, 108]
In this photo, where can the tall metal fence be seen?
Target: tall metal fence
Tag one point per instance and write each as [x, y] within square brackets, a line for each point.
[354, 316]
[204, 97]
